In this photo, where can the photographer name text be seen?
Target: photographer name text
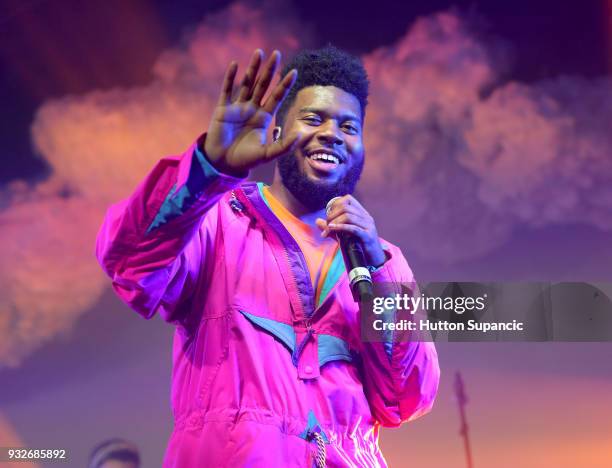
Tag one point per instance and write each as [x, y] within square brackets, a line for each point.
[445, 325]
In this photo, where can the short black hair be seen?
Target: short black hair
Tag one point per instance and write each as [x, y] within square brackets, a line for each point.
[114, 449]
[328, 66]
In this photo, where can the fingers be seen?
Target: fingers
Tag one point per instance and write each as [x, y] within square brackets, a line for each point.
[254, 88]
[228, 84]
[350, 219]
[352, 229]
[347, 211]
[246, 87]
[280, 92]
[282, 146]
[263, 82]
[346, 204]
[350, 211]
[360, 224]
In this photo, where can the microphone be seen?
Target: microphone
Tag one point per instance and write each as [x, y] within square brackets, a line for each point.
[355, 262]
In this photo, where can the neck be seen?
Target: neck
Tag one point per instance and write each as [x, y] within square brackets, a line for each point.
[293, 205]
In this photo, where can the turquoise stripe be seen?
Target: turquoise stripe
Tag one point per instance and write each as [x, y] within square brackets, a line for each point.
[282, 331]
[201, 175]
[332, 348]
[312, 425]
[260, 187]
[336, 269]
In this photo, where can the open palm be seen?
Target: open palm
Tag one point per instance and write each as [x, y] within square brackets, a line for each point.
[237, 135]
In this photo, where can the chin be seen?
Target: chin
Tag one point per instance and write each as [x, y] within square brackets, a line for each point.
[324, 181]
[312, 190]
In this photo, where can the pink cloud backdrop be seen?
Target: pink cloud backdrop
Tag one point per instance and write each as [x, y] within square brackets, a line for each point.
[474, 176]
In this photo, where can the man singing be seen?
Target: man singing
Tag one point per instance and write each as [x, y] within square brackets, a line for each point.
[269, 365]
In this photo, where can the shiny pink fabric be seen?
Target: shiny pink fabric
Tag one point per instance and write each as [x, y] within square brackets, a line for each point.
[237, 397]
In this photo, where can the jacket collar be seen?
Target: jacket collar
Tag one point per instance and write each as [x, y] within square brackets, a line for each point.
[288, 254]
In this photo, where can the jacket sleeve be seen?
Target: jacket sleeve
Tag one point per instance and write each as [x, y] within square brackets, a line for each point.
[400, 376]
[154, 244]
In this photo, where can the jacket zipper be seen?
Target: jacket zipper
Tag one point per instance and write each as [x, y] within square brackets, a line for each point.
[307, 313]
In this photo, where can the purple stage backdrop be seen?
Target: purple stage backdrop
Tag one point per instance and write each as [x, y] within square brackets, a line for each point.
[488, 158]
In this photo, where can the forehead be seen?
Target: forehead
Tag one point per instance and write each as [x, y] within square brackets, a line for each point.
[328, 99]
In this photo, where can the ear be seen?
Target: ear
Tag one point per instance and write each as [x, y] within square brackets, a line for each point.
[276, 133]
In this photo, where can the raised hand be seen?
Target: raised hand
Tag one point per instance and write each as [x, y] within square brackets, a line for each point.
[237, 135]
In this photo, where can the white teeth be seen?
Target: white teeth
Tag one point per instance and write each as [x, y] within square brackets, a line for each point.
[325, 157]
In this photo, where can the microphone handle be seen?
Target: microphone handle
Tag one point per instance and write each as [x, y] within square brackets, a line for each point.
[356, 266]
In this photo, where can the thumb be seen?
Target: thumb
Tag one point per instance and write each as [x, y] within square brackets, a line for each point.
[282, 146]
[322, 225]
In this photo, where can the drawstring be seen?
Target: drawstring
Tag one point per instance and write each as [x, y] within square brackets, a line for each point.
[321, 451]
[235, 203]
[314, 431]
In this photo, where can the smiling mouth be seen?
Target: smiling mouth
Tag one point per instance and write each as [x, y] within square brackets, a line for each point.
[323, 163]
[325, 157]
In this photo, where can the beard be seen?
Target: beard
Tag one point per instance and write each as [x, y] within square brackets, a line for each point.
[314, 195]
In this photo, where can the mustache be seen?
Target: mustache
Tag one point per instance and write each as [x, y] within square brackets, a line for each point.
[315, 194]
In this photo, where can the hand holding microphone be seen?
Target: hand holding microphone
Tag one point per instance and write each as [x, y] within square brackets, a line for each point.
[358, 238]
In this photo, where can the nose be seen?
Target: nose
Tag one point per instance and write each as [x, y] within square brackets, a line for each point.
[330, 134]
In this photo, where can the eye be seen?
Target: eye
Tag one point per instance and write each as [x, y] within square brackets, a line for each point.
[312, 120]
[350, 128]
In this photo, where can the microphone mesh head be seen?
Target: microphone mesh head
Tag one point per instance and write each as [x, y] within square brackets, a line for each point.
[329, 204]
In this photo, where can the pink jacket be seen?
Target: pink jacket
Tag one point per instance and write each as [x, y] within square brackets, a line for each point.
[262, 375]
